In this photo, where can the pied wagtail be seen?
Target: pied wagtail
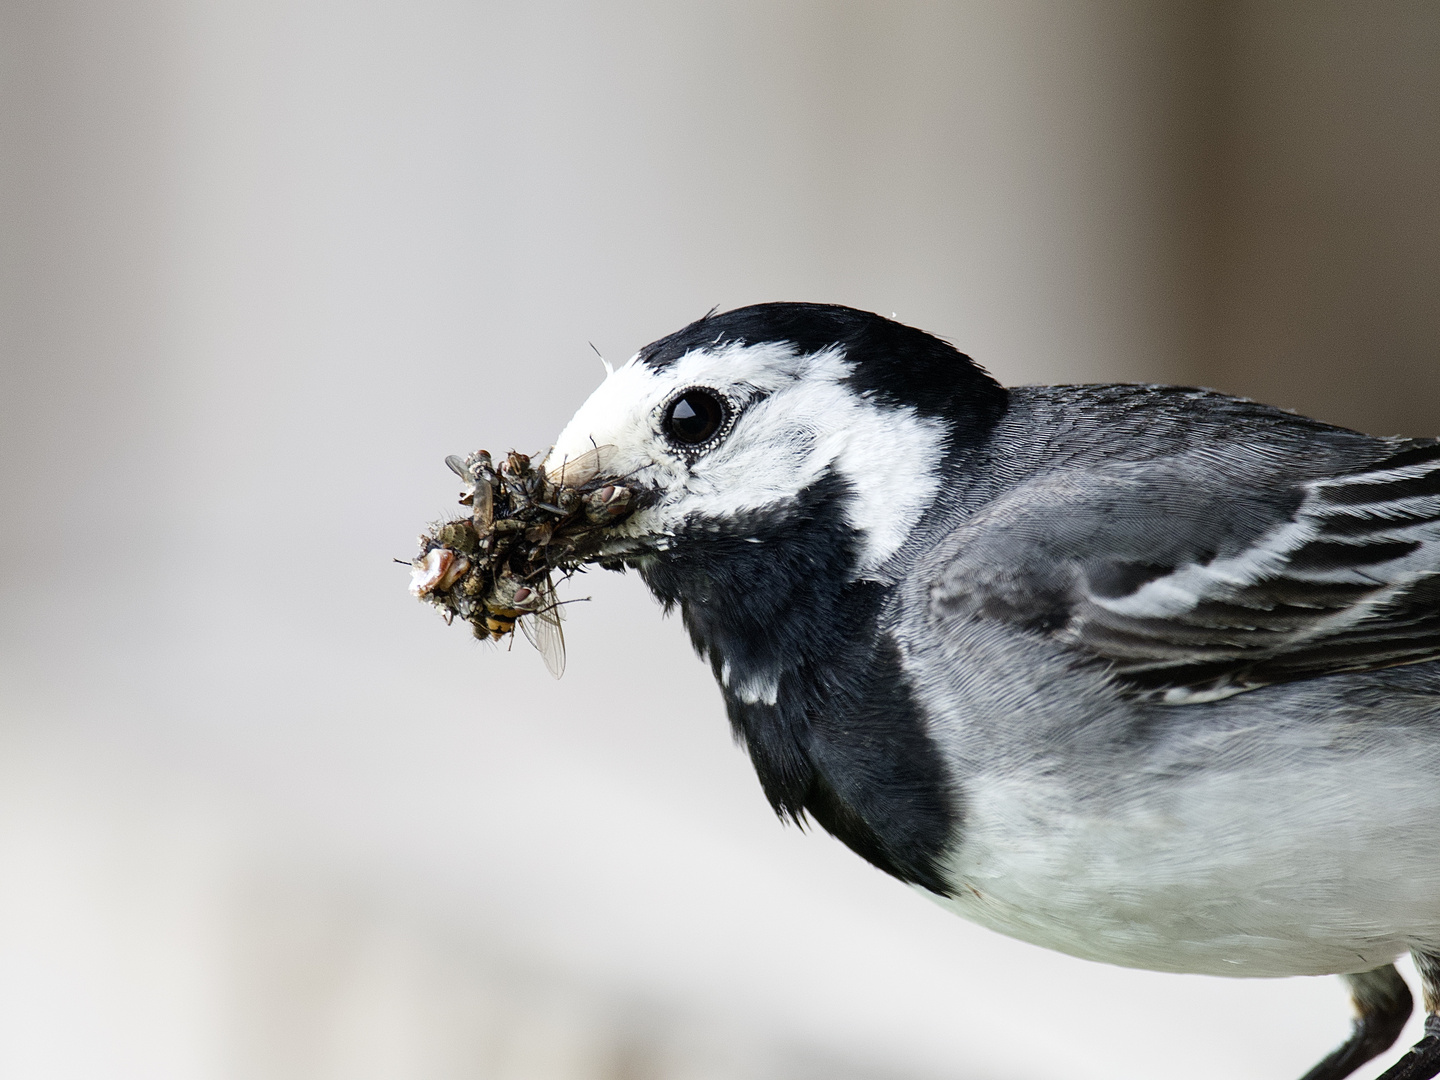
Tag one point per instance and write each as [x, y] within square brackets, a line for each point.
[1146, 674]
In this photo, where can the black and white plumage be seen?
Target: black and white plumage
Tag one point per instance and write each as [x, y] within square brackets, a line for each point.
[1146, 674]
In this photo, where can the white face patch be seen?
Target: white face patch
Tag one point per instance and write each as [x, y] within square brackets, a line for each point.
[795, 419]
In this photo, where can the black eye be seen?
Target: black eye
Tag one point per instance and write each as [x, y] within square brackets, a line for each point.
[694, 417]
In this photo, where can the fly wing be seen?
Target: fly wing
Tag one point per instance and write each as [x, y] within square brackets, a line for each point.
[578, 471]
[542, 628]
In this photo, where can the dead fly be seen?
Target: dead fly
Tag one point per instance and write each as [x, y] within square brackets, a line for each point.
[494, 569]
[536, 611]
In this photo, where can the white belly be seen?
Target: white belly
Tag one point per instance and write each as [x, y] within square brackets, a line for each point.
[1280, 871]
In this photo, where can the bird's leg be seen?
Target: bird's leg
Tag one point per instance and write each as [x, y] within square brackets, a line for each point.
[1382, 1005]
[1423, 1060]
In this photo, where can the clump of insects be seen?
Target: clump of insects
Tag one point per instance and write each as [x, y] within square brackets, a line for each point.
[495, 569]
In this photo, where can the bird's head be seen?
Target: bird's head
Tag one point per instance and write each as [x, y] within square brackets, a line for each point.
[725, 426]
[780, 457]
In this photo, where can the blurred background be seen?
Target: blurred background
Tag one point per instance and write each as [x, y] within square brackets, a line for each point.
[265, 263]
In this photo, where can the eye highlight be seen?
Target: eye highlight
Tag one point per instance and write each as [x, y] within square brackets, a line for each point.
[694, 417]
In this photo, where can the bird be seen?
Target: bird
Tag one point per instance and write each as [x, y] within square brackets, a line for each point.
[1145, 674]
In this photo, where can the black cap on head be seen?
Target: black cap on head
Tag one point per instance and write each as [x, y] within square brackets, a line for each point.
[894, 363]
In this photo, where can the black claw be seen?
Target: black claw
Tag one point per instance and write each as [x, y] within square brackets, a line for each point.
[1423, 1060]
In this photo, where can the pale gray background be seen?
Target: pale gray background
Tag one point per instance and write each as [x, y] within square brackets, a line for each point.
[265, 263]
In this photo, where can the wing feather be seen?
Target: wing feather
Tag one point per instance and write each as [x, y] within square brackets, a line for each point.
[1346, 577]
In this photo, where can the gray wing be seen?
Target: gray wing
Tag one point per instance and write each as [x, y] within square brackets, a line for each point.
[1195, 577]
